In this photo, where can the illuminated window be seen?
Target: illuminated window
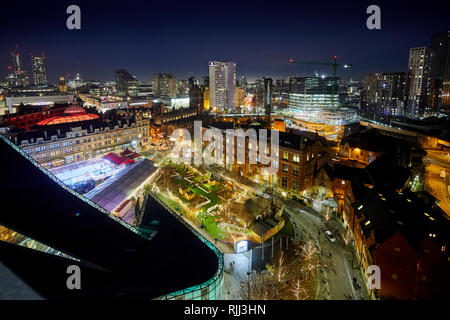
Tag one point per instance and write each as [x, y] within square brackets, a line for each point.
[394, 276]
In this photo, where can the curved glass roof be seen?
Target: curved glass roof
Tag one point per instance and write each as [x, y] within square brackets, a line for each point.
[67, 119]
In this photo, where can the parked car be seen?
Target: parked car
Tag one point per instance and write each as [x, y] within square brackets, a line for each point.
[302, 201]
[330, 236]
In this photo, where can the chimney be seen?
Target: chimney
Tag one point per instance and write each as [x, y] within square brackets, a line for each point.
[45, 133]
[92, 129]
[59, 132]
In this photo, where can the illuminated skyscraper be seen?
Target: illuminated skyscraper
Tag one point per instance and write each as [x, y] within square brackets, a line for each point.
[313, 92]
[440, 70]
[20, 76]
[39, 70]
[259, 93]
[222, 82]
[127, 85]
[243, 82]
[384, 93]
[268, 91]
[206, 81]
[62, 84]
[418, 82]
[165, 85]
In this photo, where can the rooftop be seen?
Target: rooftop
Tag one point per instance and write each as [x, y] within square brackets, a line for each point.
[60, 131]
[73, 113]
[111, 193]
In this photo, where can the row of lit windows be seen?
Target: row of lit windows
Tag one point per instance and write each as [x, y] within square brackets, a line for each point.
[69, 135]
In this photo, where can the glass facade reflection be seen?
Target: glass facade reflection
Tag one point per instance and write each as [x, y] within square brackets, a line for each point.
[211, 289]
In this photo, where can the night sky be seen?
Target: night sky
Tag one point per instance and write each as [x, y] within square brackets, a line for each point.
[180, 37]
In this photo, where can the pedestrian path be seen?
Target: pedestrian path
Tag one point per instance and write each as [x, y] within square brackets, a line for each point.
[235, 275]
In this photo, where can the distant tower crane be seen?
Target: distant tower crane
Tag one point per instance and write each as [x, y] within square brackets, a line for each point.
[333, 64]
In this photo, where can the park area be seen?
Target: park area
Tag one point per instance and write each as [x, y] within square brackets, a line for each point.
[221, 206]
[195, 193]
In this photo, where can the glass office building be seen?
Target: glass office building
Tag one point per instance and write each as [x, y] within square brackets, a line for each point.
[313, 92]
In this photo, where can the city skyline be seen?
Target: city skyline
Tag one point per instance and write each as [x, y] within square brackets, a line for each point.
[260, 38]
[236, 151]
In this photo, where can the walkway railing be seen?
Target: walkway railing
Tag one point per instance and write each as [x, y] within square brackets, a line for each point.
[219, 255]
[61, 184]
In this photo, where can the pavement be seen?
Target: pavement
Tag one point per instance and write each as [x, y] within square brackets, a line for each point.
[233, 277]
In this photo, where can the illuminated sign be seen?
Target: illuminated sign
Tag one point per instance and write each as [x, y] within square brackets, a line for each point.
[180, 103]
[241, 246]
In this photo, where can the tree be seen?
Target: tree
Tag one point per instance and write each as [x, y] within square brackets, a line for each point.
[347, 237]
[281, 269]
[298, 291]
[326, 215]
[309, 259]
[281, 282]
[260, 287]
[307, 251]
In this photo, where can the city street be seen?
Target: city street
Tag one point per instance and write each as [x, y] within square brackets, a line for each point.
[437, 162]
[339, 272]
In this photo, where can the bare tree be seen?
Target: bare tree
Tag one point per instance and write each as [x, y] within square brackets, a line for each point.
[309, 259]
[298, 290]
[347, 237]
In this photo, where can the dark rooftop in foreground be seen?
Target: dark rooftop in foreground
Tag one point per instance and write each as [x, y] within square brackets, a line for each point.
[387, 211]
[115, 260]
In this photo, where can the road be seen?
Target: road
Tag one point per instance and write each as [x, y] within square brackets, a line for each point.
[436, 162]
[339, 269]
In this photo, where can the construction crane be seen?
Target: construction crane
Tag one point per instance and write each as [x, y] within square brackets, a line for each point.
[334, 64]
